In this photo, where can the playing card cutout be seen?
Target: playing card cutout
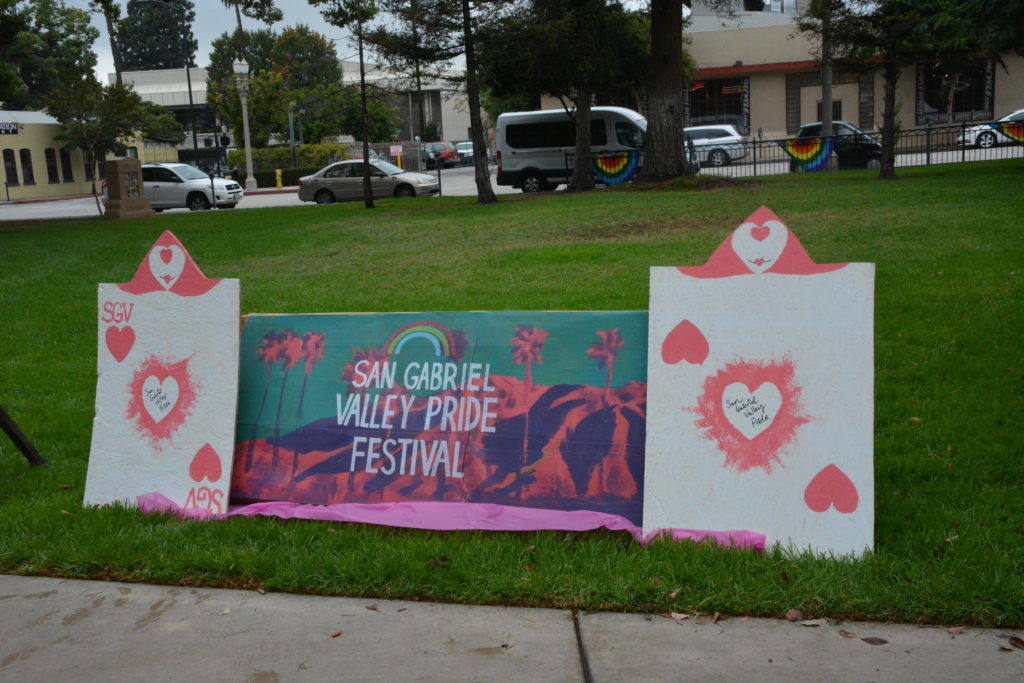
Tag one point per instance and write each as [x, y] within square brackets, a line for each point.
[205, 465]
[741, 436]
[167, 386]
[685, 342]
[831, 487]
[169, 267]
[120, 341]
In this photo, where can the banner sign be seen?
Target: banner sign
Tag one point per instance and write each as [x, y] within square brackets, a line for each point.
[761, 394]
[167, 387]
[532, 409]
[809, 154]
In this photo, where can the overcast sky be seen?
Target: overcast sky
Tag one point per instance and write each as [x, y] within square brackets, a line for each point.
[213, 19]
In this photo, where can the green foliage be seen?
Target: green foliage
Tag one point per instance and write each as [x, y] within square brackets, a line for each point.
[261, 10]
[305, 59]
[315, 156]
[157, 34]
[45, 45]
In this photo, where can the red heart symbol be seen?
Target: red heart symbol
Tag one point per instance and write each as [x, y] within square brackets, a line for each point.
[166, 255]
[760, 232]
[206, 463]
[120, 341]
[685, 342]
[831, 487]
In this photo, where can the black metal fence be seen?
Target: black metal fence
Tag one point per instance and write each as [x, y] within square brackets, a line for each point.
[917, 147]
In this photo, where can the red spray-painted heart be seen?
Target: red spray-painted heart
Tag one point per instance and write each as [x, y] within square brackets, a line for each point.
[120, 341]
[685, 342]
[206, 463]
[831, 487]
[760, 232]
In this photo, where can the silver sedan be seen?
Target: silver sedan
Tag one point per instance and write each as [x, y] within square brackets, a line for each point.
[343, 181]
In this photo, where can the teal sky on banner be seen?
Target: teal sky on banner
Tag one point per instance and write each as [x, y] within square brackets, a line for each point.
[487, 334]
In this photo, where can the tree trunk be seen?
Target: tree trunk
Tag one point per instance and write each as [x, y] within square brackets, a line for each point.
[367, 186]
[663, 147]
[484, 191]
[115, 43]
[891, 75]
[583, 173]
[826, 73]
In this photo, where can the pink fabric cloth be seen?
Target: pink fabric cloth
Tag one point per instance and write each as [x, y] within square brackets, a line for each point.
[452, 516]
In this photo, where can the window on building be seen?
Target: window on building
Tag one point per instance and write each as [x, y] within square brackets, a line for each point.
[719, 100]
[27, 174]
[51, 165]
[10, 167]
[67, 172]
[837, 110]
[949, 95]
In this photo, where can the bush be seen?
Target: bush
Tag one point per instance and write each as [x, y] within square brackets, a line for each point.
[272, 158]
[268, 178]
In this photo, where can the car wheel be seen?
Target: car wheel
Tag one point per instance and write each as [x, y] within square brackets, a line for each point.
[405, 191]
[159, 210]
[532, 182]
[986, 140]
[197, 202]
[873, 164]
[718, 158]
[324, 197]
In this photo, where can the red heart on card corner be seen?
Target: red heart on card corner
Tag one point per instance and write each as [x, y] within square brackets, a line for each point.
[685, 342]
[831, 487]
[206, 463]
[120, 341]
[760, 232]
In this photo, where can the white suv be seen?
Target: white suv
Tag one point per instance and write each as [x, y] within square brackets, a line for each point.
[175, 186]
[717, 145]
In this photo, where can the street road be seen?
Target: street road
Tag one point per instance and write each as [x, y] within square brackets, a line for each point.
[455, 182]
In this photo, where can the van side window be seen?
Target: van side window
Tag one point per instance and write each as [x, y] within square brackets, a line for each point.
[552, 134]
[629, 135]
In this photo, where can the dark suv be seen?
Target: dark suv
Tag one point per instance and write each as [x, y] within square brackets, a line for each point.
[854, 148]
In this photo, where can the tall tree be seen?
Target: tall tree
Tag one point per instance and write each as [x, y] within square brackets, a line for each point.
[305, 58]
[261, 10]
[111, 12]
[100, 119]
[354, 15]
[46, 45]
[663, 146]
[523, 56]
[158, 35]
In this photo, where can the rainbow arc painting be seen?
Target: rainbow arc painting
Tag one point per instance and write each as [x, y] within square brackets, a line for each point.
[810, 154]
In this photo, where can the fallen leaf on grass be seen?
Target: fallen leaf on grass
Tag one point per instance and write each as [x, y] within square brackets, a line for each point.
[1016, 642]
[64, 486]
[65, 512]
[846, 634]
[657, 580]
[955, 537]
[815, 622]
[678, 618]
[955, 630]
[717, 618]
[874, 640]
[336, 634]
[261, 591]
[915, 420]
[794, 615]
[673, 594]
[372, 608]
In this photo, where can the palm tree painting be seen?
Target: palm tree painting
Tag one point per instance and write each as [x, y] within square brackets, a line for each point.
[289, 353]
[605, 349]
[313, 352]
[267, 353]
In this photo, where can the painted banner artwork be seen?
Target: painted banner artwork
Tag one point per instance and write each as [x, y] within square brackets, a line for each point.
[167, 386]
[1011, 129]
[760, 412]
[542, 410]
[810, 154]
[613, 169]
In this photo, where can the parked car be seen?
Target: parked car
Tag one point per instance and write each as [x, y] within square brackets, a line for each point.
[985, 136]
[444, 152]
[343, 181]
[717, 145]
[465, 150]
[174, 186]
[854, 148]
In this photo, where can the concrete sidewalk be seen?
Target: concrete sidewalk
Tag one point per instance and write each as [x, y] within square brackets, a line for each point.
[62, 630]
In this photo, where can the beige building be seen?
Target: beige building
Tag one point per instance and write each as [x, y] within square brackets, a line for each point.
[759, 74]
[38, 166]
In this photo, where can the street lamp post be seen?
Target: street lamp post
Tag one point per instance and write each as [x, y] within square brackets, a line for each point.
[241, 68]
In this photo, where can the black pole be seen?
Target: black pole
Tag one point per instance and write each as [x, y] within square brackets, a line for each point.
[19, 439]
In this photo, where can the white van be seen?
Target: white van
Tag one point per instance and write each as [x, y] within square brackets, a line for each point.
[534, 147]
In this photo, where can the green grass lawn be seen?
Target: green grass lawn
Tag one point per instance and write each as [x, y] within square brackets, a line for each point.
[949, 397]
